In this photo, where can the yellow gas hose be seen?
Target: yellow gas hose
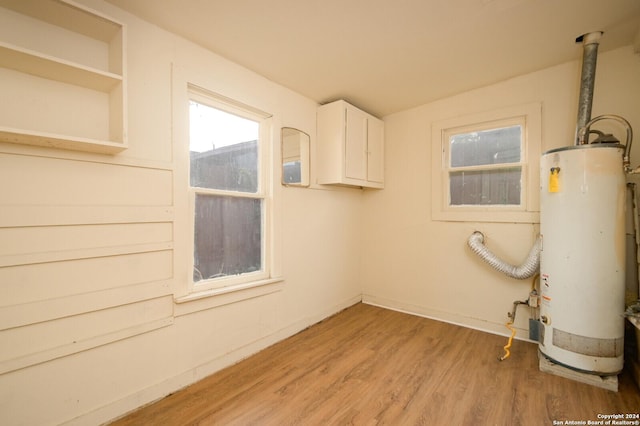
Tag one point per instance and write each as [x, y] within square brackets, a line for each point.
[512, 318]
[507, 352]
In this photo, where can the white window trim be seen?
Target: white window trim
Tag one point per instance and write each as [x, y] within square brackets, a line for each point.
[184, 84]
[224, 104]
[528, 211]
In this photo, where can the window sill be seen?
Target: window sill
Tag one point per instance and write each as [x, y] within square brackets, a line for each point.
[211, 298]
[495, 216]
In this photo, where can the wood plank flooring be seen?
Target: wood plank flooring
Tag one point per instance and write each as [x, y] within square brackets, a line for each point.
[367, 366]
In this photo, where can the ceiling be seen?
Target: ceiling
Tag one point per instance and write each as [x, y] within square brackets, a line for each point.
[385, 56]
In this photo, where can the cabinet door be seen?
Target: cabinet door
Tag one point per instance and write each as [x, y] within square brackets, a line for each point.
[375, 151]
[355, 166]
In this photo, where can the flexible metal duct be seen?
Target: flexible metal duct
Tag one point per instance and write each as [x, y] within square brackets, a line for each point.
[528, 268]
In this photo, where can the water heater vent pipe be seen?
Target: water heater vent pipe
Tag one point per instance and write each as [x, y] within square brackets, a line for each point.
[526, 270]
[590, 43]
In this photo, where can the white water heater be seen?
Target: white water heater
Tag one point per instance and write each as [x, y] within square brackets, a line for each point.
[582, 262]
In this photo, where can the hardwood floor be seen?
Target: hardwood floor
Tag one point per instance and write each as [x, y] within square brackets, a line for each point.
[368, 365]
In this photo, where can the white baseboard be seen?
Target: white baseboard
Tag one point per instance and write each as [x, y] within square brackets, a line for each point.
[451, 318]
[153, 393]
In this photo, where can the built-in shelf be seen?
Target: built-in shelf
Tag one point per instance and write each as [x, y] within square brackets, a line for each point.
[49, 67]
[63, 77]
[51, 140]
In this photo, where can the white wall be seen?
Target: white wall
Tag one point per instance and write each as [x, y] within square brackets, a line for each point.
[93, 254]
[413, 263]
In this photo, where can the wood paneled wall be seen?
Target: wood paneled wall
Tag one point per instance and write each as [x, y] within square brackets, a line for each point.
[86, 246]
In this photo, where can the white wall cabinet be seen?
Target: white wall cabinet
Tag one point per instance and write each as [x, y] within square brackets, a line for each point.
[350, 146]
[62, 76]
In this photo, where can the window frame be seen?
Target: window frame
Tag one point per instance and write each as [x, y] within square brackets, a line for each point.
[480, 127]
[222, 103]
[529, 117]
[187, 299]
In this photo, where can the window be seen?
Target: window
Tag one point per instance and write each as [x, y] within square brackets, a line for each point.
[485, 166]
[229, 197]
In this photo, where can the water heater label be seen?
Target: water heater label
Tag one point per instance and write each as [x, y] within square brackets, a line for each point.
[546, 298]
[554, 179]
